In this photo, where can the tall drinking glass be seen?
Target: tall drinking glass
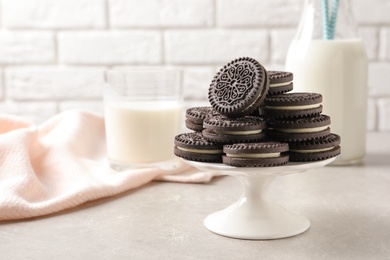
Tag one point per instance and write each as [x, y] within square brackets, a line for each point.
[143, 113]
[329, 58]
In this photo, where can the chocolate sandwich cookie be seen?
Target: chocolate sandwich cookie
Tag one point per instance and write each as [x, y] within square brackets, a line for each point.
[239, 87]
[196, 115]
[299, 129]
[234, 130]
[263, 154]
[280, 82]
[292, 105]
[194, 147]
[193, 126]
[315, 150]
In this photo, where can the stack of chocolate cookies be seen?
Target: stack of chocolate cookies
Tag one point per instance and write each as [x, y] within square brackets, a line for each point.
[254, 122]
[296, 118]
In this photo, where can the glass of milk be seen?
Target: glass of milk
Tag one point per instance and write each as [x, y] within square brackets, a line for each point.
[334, 65]
[143, 113]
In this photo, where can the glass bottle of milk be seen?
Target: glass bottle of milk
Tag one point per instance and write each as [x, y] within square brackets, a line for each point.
[327, 57]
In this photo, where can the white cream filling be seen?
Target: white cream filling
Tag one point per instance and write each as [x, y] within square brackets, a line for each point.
[312, 151]
[257, 155]
[249, 132]
[294, 107]
[216, 151]
[280, 84]
[304, 130]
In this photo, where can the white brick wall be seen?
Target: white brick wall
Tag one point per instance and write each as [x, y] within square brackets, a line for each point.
[53, 53]
[214, 46]
[53, 83]
[379, 79]
[385, 44]
[24, 47]
[116, 47]
[280, 41]
[158, 13]
[255, 13]
[370, 40]
[384, 114]
[196, 82]
[93, 106]
[34, 111]
[54, 14]
[374, 12]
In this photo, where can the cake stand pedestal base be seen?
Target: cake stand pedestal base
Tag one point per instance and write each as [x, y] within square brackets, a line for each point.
[255, 215]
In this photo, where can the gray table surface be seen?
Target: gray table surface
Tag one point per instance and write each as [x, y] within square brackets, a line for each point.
[349, 210]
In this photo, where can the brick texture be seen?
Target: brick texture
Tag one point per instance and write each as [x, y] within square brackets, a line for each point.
[371, 115]
[372, 12]
[48, 83]
[238, 13]
[92, 106]
[215, 47]
[196, 82]
[26, 47]
[384, 114]
[379, 74]
[370, 40]
[53, 13]
[110, 47]
[33, 111]
[280, 41]
[385, 44]
[166, 13]
[53, 53]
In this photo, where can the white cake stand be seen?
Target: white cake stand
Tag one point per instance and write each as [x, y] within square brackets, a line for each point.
[255, 215]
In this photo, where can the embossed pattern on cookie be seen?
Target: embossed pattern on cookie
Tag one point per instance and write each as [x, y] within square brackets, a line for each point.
[239, 87]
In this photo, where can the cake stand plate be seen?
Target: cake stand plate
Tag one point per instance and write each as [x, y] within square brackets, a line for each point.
[255, 215]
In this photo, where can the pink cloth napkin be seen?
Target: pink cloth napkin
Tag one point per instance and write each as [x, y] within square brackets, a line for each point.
[62, 163]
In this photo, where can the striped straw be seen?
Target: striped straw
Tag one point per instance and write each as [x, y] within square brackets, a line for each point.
[325, 23]
[333, 18]
[329, 24]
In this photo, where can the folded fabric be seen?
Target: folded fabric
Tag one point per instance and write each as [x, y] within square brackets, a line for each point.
[62, 163]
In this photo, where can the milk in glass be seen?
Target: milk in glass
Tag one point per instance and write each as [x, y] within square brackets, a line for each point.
[141, 132]
[338, 70]
[326, 56]
[143, 113]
